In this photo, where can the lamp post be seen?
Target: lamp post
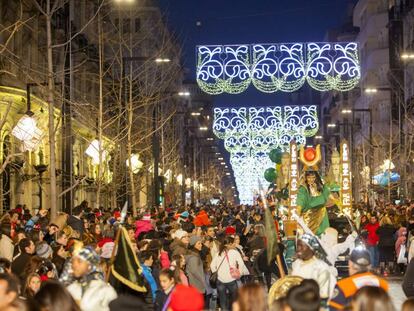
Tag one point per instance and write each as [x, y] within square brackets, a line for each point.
[41, 168]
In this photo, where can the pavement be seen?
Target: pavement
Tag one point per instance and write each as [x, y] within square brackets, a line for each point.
[396, 293]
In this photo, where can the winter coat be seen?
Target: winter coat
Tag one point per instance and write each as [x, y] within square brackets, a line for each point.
[408, 281]
[6, 247]
[373, 238]
[195, 271]
[161, 299]
[143, 226]
[178, 248]
[96, 296]
[165, 260]
[146, 272]
[19, 265]
[386, 235]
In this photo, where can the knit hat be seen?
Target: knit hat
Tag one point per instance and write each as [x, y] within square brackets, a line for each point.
[179, 234]
[44, 250]
[146, 217]
[230, 230]
[89, 255]
[184, 214]
[180, 299]
[194, 239]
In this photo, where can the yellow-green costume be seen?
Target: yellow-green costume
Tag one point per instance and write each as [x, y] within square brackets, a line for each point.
[313, 208]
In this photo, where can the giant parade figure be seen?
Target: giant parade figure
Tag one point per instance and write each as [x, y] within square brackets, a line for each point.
[313, 195]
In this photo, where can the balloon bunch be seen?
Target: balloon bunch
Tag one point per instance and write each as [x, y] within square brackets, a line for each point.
[272, 173]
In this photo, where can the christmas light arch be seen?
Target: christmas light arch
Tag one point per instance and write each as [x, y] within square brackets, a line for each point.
[250, 133]
[278, 67]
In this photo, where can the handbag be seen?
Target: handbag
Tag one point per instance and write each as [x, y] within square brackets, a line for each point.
[401, 256]
[234, 272]
[214, 276]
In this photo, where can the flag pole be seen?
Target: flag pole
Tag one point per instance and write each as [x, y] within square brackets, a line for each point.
[116, 242]
[278, 259]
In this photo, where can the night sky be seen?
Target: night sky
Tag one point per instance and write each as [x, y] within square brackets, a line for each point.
[247, 21]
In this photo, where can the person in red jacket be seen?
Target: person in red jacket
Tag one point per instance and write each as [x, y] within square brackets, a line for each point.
[373, 240]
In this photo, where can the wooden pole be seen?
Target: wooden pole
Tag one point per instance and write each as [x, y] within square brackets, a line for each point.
[108, 271]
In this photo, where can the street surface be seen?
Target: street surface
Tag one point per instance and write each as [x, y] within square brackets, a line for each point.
[396, 293]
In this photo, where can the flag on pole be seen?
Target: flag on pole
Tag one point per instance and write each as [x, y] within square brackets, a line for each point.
[272, 247]
[125, 266]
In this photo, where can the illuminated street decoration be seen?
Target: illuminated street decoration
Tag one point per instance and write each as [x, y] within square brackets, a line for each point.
[250, 133]
[264, 128]
[278, 67]
[346, 180]
[28, 133]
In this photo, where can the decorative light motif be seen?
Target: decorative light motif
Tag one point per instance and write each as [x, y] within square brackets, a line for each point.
[93, 151]
[264, 128]
[278, 67]
[179, 179]
[27, 131]
[136, 164]
[250, 133]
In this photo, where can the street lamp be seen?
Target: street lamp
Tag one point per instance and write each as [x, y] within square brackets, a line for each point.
[318, 137]
[210, 138]
[136, 164]
[371, 90]
[162, 60]
[184, 94]
[196, 114]
[203, 128]
[331, 125]
[407, 55]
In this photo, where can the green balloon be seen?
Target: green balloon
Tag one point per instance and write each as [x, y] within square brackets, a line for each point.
[270, 174]
[276, 155]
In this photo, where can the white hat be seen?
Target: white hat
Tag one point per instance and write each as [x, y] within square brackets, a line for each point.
[179, 234]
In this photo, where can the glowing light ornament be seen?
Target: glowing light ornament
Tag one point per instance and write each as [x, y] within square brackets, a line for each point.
[249, 135]
[136, 164]
[28, 133]
[264, 128]
[93, 150]
[278, 67]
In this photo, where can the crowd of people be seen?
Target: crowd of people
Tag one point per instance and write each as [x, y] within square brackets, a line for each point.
[196, 258]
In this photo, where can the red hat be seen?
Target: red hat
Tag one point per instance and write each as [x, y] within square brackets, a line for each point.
[230, 230]
[180, 299]
[117, 214]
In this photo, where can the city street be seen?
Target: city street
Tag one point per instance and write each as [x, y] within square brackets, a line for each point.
[183, 155]
[396, 293]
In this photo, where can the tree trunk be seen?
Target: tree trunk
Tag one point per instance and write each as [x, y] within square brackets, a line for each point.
[129, 146]
[51, 88]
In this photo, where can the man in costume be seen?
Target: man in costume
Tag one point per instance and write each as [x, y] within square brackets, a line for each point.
[313, 195]
[309, 266]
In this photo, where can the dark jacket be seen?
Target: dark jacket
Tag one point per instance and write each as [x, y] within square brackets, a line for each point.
[195, 271]
[76, 224]
[19, 265]
[408, 281]
[386, 236]
[161, 299]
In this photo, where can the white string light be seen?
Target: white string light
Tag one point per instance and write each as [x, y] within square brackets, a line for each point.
[250, 133]
[278, 67]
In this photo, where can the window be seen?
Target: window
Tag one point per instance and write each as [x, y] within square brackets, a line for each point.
[126, 25]
[137, 24]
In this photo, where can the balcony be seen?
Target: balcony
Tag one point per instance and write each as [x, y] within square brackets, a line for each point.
[374, 24]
